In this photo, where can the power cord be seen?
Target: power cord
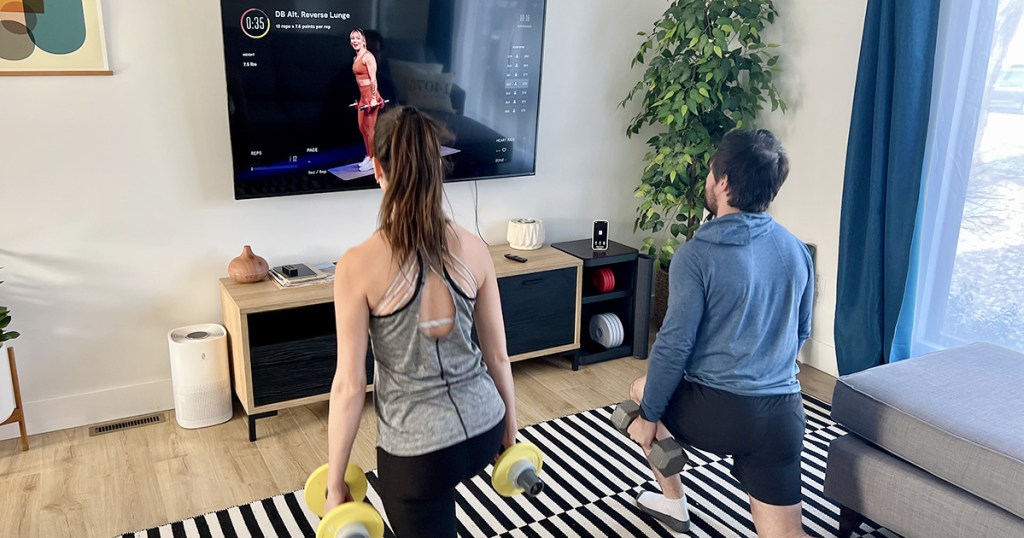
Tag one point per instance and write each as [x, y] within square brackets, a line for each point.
[476, 211]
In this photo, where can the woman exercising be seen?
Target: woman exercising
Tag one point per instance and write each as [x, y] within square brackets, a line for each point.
[445, 407]
[364, 67]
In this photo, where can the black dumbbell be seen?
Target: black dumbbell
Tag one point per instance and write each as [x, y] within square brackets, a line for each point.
[667, 455]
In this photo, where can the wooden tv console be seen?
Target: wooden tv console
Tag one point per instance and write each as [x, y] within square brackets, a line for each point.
[284, 344]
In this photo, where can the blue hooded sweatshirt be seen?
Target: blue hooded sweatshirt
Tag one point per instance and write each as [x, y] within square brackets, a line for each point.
[739, 309]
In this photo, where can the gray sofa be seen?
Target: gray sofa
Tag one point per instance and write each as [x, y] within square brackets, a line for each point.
[936, 446]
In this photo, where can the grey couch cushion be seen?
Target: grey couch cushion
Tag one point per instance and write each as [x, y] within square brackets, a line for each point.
[907, 500]
[958, 414]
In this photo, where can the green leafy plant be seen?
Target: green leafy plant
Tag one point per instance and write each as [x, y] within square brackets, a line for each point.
[5, 320]
[708, 72]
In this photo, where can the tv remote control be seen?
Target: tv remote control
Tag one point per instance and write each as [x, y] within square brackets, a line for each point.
[516, 258]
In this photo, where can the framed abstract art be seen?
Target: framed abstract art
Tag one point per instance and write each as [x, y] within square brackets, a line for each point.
[52, 37]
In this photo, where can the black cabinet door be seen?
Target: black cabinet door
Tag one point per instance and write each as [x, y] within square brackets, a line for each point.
[293, 353]
[291, 370]
[539, 309]
[296, 369]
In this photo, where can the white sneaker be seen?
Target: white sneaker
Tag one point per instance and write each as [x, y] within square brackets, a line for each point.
[366, 165]
[674, 514]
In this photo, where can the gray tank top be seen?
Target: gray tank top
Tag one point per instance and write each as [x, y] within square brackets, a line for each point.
[430, 393]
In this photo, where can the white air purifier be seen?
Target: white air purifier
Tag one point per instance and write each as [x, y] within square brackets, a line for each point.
[200, 375]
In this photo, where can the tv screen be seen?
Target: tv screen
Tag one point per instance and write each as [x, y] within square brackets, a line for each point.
[307, 80]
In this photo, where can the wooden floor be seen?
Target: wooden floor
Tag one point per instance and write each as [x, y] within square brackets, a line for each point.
[70, 484]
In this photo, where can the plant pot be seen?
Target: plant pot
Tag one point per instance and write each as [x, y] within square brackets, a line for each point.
[660, 303]
[7, 403]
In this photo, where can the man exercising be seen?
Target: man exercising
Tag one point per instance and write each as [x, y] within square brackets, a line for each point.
[722, 372]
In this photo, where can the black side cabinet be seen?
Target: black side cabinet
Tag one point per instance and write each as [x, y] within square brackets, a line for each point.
[628, 300]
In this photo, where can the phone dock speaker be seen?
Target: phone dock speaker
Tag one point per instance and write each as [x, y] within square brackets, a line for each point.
[642, 306]
[200, 375]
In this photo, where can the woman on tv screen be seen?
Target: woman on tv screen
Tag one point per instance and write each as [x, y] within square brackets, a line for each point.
[364, 67]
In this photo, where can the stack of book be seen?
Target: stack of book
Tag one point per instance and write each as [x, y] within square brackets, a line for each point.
[300, 274]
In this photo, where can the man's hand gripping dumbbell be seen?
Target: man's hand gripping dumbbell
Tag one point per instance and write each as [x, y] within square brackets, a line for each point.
[666, 456]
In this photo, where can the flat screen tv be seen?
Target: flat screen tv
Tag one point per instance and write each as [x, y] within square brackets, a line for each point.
[299, 83]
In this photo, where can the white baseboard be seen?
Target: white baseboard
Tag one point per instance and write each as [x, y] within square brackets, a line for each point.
[90, 408]
[820, 355]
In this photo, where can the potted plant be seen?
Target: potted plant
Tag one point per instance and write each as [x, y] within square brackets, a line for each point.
[7, 402]
[708, 72]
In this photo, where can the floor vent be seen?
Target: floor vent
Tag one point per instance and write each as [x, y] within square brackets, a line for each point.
[126, 424]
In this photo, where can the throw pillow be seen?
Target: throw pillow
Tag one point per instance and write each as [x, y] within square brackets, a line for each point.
[430, 91]
[401, 71]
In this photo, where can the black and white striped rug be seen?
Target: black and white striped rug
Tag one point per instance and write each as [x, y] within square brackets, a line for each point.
[592, 475]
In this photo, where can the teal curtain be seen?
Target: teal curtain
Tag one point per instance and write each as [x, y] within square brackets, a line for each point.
[884, 162]
[964, 42]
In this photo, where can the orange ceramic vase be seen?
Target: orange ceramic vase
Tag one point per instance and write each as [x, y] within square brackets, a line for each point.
[248, 267]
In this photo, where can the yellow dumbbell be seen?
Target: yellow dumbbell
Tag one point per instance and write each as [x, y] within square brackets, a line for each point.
[355, 519]
[516, 471]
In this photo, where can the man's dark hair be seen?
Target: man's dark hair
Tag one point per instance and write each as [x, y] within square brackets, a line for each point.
[755, 165]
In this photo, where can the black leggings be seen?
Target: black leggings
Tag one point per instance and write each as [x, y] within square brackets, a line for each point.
[419, 491]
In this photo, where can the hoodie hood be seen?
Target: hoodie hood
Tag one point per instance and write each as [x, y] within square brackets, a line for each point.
[735, 228]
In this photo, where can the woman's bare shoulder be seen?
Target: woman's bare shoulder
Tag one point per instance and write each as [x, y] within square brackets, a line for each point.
[473, 251]
[469, 243]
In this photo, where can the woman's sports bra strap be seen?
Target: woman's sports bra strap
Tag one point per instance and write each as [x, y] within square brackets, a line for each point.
[466, 284]
[402, 289]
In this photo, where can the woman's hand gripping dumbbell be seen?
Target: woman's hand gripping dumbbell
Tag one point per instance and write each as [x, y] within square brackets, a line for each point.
[355, 519]
[667, 455]
[515, 471]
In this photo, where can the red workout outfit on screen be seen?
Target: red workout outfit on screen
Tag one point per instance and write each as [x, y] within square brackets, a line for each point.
[367, 82]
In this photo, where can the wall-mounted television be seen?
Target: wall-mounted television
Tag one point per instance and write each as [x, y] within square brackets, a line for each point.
[298, 82]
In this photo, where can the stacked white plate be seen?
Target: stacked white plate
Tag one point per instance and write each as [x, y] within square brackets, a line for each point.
[606, 330]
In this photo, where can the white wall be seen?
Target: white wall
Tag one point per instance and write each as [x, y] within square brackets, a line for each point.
[118, 214]
[820, 47]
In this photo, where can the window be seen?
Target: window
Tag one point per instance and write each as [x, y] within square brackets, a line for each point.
[970, 233]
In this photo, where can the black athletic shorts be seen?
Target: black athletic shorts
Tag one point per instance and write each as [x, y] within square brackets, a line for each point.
[763, 434]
